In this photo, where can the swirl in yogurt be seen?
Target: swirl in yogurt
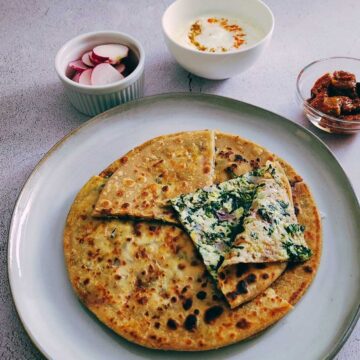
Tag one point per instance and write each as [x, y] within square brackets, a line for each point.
[220, 34]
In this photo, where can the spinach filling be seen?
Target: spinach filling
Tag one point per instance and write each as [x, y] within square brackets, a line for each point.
[296, 252]
[215, 215]
[294, 229]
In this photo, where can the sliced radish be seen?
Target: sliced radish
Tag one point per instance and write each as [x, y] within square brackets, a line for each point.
[85, 77]
[86, 59]
[94, 60]
[104, 74]
[78, 65]
[112, 52]
[76, 77]
[120, 68]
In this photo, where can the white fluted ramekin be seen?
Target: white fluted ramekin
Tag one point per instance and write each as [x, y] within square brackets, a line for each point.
[92, 100]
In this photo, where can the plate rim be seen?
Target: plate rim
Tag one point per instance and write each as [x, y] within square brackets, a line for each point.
[121, 108]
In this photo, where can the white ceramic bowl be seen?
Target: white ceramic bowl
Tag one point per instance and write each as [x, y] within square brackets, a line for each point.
[92, 100]
[178, 17]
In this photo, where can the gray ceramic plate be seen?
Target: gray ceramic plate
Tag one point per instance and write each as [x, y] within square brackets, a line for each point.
[63, 329]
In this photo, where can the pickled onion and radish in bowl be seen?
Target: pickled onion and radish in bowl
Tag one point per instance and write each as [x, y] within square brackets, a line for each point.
[104, 64]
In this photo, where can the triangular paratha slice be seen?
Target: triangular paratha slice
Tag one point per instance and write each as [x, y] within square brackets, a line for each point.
[156, 171]
[213, 215]
[236, 156]
[271, 232]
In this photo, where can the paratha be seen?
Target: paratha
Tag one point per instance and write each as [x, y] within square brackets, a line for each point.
[93, 260]
[213, 215]
[146, 282]
[271, 232]
[160, 169]
[236, 156]
[298, 276]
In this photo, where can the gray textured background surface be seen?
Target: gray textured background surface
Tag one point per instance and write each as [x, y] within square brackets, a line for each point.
[34, 113]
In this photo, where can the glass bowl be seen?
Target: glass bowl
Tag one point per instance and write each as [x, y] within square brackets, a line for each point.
[306, 79]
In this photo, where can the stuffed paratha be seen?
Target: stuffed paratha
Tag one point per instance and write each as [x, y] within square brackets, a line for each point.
[298, 276]
[156, 171]
[234, 157]
[93, 247]
[146, 282]
[271, 232]
[213, 216]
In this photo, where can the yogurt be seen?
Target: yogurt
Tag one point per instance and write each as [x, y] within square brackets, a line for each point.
[219, 34]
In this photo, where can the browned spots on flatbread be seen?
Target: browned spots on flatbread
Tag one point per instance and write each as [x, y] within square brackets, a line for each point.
[184, 289]
[124, 160]
[152, 228]
[296, 209]
[241, 269]
[142, 300]
[275, 312]
[261, 266]
[207, 169]
[251, 278]
[158, 162]
[212, 313]
[172, 324]
[106, 205]
[241, 287]
[216, 297]
[308, 269]
[201, 343]
[190, 322]
[99, 297]
[265, 276]
[187, 304]
[232, 295]
[238, 158]
[243, 324]
[297, 293]
[201, 295]
[255, 163]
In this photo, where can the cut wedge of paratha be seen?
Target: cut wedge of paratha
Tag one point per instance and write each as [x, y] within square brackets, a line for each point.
[271, 232]
[298, 276]
[234, 157]
[156, 171]
[212, 216]
[146, 282]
